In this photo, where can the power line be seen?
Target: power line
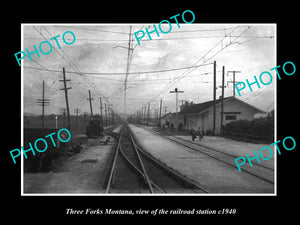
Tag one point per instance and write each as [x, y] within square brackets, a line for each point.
[159, 39]
[119, 73]
[70, 63]
[106, 31]
[75, 68]
[188, 71]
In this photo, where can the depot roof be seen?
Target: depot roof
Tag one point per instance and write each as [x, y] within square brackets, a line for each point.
[201, 107]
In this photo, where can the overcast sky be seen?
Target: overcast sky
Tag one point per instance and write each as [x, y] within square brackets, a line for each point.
[103, 48]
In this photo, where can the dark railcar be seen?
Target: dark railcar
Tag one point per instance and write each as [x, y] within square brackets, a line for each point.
[94, 129]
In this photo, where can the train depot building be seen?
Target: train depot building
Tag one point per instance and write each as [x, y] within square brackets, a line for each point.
[201, 115]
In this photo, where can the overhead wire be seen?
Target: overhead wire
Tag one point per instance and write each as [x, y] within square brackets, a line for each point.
[68, 62]
[171, 81]
[185, 73]
[119, 73]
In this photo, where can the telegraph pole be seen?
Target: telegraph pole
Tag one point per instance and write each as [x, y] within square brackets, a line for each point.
[108, 116]
[214, 98]
[43, 102]
[65, 88]
[127, 71]
[63, 112]
[105, 109]
[222, 104]
[160, 106]
[165, 110]
[90, 99]
[233, 82]
[142, 114]
[145, 115]
[77, 111]
[112, 116]
[156, 117]
[148, 117]
[101, 111]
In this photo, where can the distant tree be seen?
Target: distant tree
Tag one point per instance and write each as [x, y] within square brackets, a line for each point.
[51, 116]
[186, 105]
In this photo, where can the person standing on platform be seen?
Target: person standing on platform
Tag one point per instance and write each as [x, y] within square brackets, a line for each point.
[200, 133]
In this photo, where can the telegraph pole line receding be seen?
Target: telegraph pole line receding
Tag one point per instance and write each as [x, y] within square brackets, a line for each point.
[65, 88]
[43, 102]
[233, 82]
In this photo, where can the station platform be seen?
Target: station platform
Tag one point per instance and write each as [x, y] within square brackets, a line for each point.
[213, 175]
[226, 145]
[81, 173]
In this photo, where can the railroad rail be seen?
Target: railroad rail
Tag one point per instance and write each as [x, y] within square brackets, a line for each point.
[260, 171]
[133, 170]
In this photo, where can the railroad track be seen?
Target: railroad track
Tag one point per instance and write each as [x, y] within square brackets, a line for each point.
[260, 171]
[132, 170]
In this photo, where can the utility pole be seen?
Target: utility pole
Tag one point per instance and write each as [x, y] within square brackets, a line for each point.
[105, 109]
[101, 112]
[233, 82]
[108, 116]
[145, 115]
[43, 102]
[112, 117]
[214, 98]
[90, 99]
[65, 88]
[127, 70]
[156, 117]
[222, 103]
[165, 110]
[176, 93]
[76, 111]
[160, 106]
[63, 112]
[148, 117]
[142, 114]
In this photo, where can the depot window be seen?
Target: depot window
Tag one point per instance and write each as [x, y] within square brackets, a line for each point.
[230, 117]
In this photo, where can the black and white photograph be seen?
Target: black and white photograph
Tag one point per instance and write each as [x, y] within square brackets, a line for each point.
[173, 108]
[150, 112]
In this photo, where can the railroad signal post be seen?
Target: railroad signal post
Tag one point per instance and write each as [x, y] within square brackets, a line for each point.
[176, 92]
